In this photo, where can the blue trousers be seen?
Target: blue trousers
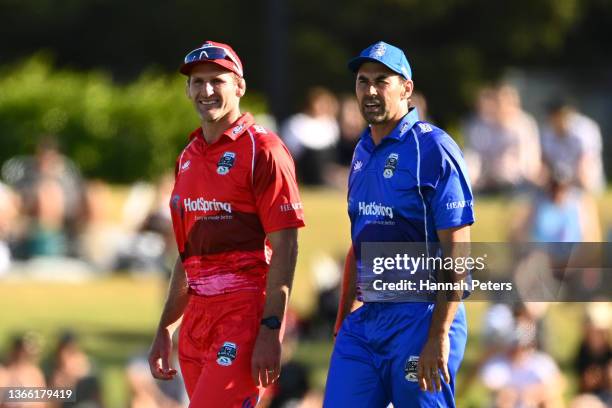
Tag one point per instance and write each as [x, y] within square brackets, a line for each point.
[376, 353]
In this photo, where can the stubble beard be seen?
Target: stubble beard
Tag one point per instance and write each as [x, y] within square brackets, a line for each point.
[375, 118]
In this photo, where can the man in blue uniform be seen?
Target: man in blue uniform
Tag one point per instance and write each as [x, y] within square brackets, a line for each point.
[408, 183]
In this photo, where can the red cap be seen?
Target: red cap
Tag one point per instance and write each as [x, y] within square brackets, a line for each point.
[215, 53]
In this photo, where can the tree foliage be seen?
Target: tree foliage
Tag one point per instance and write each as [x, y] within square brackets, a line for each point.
[119, 133]
[454, 46]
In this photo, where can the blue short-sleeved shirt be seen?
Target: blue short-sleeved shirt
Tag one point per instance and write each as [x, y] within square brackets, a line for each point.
[408, 186]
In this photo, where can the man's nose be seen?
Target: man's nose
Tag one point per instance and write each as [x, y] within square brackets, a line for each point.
[208, 89]
[371, 90]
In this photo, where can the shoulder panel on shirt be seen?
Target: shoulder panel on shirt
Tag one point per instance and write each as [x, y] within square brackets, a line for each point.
[269, 153]
[181, 157]
[274, 184]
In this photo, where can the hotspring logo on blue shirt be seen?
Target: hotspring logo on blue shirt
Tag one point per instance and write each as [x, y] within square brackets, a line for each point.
[376, 209]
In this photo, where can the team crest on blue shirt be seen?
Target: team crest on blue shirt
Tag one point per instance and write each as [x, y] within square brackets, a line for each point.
[390, 165]
[226, 162]
[226, 354]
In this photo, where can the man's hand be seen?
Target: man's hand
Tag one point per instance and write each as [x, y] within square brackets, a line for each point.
[434, 356]
[265, 364]
[159, 355]
[433, 360]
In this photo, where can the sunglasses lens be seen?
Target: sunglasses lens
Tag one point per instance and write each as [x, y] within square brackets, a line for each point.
[203, 54]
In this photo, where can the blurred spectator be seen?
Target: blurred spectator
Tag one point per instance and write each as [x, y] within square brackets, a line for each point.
[293, 388]
[147, 392]
[558, 213]
[327, 276]
[587, 401]
[502, 142]
[50, 188]
[21, 362]
[418, 101]
[521, 376]
[99, 239]
[151, 248]
[70, 364]
[72, 369]
[9, 211]
[573, 139]
[89, 394]
[351, 125]
[595, 351]
[311, 136]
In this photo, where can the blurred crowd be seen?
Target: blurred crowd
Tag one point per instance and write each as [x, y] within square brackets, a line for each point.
[505, 148]
[67, 366]
[56, 224]
[513, 362]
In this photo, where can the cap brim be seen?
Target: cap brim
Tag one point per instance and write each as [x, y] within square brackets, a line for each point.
[185, 69]
[356, 62]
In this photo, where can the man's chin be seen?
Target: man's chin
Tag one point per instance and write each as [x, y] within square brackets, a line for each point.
[376, 120]
[208, 116]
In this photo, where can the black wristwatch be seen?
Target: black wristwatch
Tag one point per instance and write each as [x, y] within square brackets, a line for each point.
[271, 322]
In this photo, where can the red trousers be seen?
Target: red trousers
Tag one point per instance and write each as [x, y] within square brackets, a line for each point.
[215, 347]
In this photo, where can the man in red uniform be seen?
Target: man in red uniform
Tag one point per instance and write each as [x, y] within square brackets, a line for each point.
[235, 210]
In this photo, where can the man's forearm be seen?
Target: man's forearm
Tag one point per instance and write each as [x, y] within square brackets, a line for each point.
[443, 315]
[348, 291]
[177, 297]
[455, 244]
[280, 275]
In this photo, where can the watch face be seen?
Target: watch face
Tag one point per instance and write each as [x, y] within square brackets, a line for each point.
[271, 322]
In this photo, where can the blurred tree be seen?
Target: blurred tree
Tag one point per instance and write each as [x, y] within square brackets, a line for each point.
[118, 133]
[454, 45]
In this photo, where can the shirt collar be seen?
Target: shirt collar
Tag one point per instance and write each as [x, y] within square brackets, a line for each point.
[234, 131]
[239, 126]
[399, 132]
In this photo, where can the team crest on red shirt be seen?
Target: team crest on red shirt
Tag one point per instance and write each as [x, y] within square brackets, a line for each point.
[226, 162]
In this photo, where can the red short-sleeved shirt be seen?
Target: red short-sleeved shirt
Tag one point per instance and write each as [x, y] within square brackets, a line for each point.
[227, 196]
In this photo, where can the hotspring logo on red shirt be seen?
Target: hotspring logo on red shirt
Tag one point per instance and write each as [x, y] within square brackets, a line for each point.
[200, 204]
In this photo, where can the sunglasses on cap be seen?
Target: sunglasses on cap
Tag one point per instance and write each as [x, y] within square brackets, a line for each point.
[212, 53]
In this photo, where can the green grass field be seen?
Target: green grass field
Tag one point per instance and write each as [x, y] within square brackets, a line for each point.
[116, 316]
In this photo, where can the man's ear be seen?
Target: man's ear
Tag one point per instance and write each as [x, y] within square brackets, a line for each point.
[187, 87]
[240, 87]
[408, 88]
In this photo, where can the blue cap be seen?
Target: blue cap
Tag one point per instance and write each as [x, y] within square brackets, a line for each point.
[386, 54]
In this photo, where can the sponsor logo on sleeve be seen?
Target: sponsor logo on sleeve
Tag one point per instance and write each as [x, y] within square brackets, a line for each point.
[290, 207]
[425, 127]
[453, 205]
[259, 129]
[227, 354]
[185, 165]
